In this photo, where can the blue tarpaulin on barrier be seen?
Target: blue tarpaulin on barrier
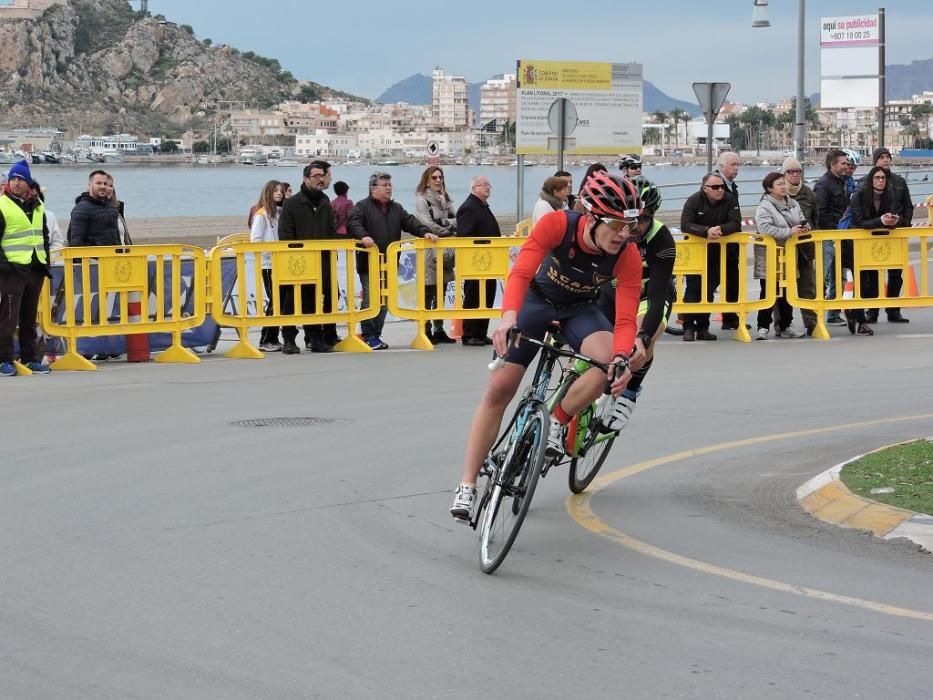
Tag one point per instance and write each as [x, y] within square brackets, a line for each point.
[202, 335]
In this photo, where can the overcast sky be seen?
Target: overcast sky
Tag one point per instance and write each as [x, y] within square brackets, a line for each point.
[364, 47]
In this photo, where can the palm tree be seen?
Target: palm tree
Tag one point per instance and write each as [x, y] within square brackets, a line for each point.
[660, 117]
[678, 115]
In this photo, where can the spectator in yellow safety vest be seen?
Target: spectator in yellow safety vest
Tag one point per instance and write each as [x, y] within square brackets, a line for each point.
[24, 265]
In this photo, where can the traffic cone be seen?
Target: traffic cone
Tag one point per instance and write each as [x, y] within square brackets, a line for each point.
[137, 345]
[848, 289]
[911, 282]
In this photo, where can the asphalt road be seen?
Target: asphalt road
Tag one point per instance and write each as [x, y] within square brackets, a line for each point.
[151, 549]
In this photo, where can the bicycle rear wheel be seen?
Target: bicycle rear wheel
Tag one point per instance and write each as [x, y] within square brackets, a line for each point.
[595, 448]
[512, 491]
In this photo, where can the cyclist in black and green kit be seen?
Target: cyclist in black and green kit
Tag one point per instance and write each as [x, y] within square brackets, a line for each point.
[658, 294]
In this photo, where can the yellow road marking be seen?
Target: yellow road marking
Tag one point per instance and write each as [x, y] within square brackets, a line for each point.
[578, 506]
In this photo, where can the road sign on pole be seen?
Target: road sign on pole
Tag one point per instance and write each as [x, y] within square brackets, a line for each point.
[562, 118]
[433, 148]
[711, 97]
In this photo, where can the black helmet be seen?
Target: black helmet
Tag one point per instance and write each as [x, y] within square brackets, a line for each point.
[630, 160]
[649, 193]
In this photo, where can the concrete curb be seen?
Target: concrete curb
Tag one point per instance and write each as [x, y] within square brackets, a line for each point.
[827, 498]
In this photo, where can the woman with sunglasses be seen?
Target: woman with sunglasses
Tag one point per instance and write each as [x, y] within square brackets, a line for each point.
[557, 277]
[434, 209]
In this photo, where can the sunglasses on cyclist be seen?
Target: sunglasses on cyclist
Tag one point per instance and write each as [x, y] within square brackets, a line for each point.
[618, 225]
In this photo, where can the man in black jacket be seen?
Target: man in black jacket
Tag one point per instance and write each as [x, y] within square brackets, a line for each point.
[308, 216]
[94, 219]
[476, 220]
[904, 208]
[711, 213]
[832, 196]
[379, 221]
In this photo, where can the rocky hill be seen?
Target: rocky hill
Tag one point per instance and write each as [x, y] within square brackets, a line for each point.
[88, 65]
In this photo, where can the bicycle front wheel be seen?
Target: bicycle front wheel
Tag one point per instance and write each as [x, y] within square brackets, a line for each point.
[512, 491]
[585, 466]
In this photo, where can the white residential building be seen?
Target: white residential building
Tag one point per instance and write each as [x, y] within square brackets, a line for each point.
[450, 100]
[324, 144]
[116, 143]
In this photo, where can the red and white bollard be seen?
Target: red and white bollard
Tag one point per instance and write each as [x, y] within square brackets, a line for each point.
[137, 345]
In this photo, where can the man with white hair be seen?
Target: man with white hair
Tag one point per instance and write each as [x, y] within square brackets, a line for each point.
[476, 220]
[728, 170]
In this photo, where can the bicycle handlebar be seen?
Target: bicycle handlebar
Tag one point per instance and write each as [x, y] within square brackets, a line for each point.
[617, 367]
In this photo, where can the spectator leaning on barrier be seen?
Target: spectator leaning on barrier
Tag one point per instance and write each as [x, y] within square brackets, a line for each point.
[434, 209]
[833, 199]
[711, 213]
[553, 197]
[308, 216]
[378, 221]
[728, 170]
[24, 265]
[265, 229]
[94, 219]
[56, 237]
[873, 207]
[571, 199]
[800, 192]
[903, 207]
[780, 217]
[476, 220]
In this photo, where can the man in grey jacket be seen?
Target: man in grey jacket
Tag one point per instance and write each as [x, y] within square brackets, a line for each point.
[379, 221]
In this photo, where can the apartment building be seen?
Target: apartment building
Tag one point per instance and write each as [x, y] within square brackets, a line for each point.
[450, 100]
[497, 103]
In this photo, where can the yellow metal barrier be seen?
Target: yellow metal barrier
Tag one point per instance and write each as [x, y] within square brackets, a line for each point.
[478, 259]
[110, 275]
[491, 258]
[874, 252]
[231, 238]
[523, 228]
[294, 264]
[929, 205]
[692, 259]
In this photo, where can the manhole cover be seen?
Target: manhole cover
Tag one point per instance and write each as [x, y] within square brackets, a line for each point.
[304, 422]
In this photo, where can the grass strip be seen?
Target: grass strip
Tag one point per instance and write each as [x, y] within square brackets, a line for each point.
[907, 469]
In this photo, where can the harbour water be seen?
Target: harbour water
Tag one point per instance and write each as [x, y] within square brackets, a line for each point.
[182, 190]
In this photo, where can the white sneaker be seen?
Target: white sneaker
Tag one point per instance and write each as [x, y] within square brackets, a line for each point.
[762, 334]
[270, 347]
[464, 497]
[555, 438]
[792, 333]
[622, 409]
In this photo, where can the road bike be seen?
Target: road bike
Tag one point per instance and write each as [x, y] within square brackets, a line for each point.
[517, 459]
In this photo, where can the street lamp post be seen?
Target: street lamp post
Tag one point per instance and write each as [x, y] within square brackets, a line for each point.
[760, 19]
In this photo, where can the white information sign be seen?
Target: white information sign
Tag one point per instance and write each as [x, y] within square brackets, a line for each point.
[849, 50]
[607, 98]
